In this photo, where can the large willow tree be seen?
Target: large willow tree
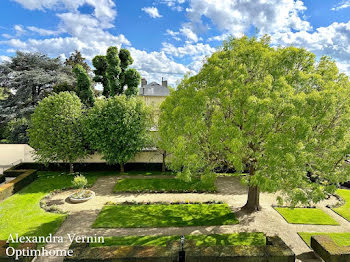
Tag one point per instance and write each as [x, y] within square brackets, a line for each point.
[274, 112]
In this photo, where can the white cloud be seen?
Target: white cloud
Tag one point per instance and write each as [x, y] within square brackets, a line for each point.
[333, 41]
[104, 10]
[174, 4]
[19, 30]
[155, 65]
[42, 31]
[151, 11]
[219, 37]
[4, 58]
[187, 32]
[342, 5]
[236, 17]
[175, 35]
[6, 36]
[188, 49]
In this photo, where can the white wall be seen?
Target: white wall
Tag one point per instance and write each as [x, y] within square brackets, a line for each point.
[14, 153]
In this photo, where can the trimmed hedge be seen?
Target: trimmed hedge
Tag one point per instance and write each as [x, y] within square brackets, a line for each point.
[275, 251]
[8, 189]
[329, 251]
[2, 178]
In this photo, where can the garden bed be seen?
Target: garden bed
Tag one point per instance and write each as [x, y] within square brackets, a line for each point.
[341, 239]
[160, 185]
[164, 215]
[344, 210]
[310, 216]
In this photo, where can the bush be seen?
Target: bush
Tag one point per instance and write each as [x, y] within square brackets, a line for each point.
[79, 182]
[208, 178]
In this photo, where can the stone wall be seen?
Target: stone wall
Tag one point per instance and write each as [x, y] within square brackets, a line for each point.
[24, 178]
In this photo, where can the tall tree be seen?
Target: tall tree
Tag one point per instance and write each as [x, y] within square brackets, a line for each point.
[100, 63]
[56, 131]
[118, 128]
[30, 77]
[76, 58]
[84, 90]
[274, 112]
[113, 73]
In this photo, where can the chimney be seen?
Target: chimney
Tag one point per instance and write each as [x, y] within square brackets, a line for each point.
[164, 83]
[143, 82]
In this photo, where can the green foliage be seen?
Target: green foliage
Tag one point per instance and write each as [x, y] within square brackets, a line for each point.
[274, 110]
[208, 178]
[113, 73]
[163, 215]
[30, 77]
[84, 90]
[100, 63]
[162, 185]
[132, 80]
[341, 239]
[236, 239]
[117, 128]
[312, 216]
[56, 132]
[79, 182]
[344, 210]
[62, 87]
[76, 58]
[16, 131]
[3, 94]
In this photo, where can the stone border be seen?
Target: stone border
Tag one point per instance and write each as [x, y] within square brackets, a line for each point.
[329, 251]
[275, 250]
[22, 180]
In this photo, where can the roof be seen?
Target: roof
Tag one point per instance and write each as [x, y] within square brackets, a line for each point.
[154, 89]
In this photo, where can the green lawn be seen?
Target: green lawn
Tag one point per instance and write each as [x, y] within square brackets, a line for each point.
[129, 173]
[341, 239]
[344, 210]
[238, 239]
[164, 215]
[21, 213]
[161, 185]
[313, 216]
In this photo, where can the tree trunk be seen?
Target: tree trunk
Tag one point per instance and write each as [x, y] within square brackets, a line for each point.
[122, 168]
[163, 164]
[253, 202]
[71, 168]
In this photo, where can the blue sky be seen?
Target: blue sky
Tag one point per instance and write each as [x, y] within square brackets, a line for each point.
[169, 38]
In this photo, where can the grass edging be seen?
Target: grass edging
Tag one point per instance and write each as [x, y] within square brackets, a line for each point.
[289, 218]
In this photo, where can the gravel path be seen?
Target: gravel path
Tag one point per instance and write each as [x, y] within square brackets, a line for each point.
[230, 191]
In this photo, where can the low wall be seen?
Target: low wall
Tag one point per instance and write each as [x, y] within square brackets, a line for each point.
[275, 251]
[12, 153]
[329, 251]
[25, 178]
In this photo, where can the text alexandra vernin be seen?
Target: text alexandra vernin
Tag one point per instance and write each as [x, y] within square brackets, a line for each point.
[54, 239]
[50, 239]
